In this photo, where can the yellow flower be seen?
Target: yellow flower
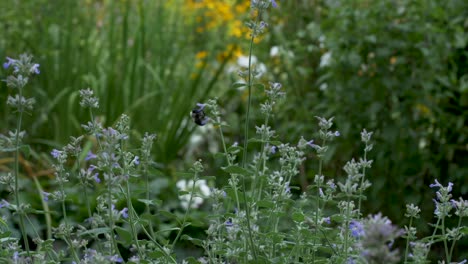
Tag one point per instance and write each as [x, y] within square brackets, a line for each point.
[201, 55]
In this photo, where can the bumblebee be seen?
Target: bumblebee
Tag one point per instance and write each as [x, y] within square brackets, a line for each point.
[198, 115]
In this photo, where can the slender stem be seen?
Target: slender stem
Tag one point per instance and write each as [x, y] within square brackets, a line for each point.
[17, 146]
[454, 241]
[362, 182]
[223, 142]
[131, 219]
[408, 239]
[111, 216]
[432, 236]
[346, 227]
[158, 245]
[249, 87]
[246, 139]
[445, 240]
[195, 178]
[147, 191]
[85, 191]
[65, 219]
[45, 205]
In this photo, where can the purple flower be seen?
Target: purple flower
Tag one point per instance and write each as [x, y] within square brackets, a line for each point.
[436, 184]
[326, 220]
[35, 69]
[3, 203]
[124, 212]
[90, 156]
[55, 153]
[45, 196]
[91, 168]
[7, 64]
[96, 178]
[16, 256]
[229, 223]
[321, 193]
[357, 228]
[311, 144]
[287, 188]
[273, 3]
[116, 258]
[337, 133]
[273, 149]
[136, 160]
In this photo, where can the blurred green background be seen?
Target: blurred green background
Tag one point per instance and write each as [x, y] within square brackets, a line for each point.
[395, 67]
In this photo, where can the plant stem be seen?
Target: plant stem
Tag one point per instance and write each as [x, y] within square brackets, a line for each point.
[408, 240]
[362, 182]
[17, 146]
[454, 241]
[194, 179]
[246, 139]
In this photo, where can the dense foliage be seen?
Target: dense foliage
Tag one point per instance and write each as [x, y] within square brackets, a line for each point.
[81, 183]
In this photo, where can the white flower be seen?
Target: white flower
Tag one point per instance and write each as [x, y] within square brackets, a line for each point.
[201, 190]
[243, 61]
[325, 60]
[274, 51]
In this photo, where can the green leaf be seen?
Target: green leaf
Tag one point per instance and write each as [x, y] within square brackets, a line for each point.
[298, 216]
[238, 85]
[151, 202]
[237, 170]
[265, 204]
[167, 214]
[124, 235]
[95, 231]
[195, 241]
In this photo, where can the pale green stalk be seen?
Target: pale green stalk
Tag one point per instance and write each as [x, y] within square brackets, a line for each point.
[17, 146]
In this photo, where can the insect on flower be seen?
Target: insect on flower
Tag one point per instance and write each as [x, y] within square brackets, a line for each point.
[198, 115]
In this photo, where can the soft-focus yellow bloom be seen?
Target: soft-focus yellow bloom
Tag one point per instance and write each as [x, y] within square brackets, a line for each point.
[201, 55]
[214, 14]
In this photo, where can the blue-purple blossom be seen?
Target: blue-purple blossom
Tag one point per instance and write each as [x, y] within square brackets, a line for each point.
[326, 220]
[96, 178]
[116, 258]
[90, 156]
[229, 223]
[311, 144]
[45, 196]
[15, 255]
[8, 63]
[35, 69]
[124, 212]
[3, 203]
[337, 133]
[321, 193]
[201, 106]
[273, 3]
[136, 160]
[357, 228]
[273, 149]
[437, 184]
[55, 153]
[91, 168]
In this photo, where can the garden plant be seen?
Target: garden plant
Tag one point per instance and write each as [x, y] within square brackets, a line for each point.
[101, 203]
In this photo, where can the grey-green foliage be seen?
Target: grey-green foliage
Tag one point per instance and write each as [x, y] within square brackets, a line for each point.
[139, 57]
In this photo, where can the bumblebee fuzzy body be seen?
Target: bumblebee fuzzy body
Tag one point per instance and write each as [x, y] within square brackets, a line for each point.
[198, 116]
